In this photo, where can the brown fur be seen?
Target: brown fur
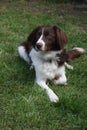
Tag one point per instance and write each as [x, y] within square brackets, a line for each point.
[69, 56]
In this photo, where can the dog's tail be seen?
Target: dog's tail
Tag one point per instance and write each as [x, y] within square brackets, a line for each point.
[74, 53]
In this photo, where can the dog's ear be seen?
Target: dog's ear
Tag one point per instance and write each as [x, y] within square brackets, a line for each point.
[61, 38]
[32, 37]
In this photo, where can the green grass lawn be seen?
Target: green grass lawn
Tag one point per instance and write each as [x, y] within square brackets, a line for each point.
[24, 105]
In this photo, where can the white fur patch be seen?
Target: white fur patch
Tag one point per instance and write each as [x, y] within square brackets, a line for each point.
[40, 40]
[79, 49]
[23, 54]
[68, 66]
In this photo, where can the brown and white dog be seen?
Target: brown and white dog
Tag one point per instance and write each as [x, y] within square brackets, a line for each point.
[45, 48]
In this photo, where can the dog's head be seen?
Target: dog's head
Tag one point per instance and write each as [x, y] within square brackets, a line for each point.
[47, 38]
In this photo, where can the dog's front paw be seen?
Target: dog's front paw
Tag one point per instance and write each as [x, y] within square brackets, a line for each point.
[53, 97]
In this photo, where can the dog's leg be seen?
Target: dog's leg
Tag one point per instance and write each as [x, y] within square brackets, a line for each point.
[62, 80]
[68, 66]
[53, 97]
[23, 54]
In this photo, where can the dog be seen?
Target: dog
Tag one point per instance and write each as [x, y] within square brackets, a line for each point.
[44, 49]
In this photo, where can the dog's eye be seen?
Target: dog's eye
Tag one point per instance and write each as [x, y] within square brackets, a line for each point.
[38, 34]
[49, 39]
[46, 33]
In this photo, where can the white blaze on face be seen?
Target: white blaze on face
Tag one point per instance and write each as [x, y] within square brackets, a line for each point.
[41, 41]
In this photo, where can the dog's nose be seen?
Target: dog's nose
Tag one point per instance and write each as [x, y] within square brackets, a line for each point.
[39, 45]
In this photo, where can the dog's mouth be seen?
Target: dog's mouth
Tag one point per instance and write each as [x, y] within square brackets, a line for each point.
[37, 49]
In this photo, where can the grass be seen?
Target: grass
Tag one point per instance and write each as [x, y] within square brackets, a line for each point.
[24, 105]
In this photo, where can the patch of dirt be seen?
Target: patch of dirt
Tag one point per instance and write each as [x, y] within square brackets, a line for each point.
[81, 8]
[61, 11]
[57, 11]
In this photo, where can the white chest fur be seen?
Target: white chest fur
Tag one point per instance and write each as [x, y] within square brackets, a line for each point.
[44, 68]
